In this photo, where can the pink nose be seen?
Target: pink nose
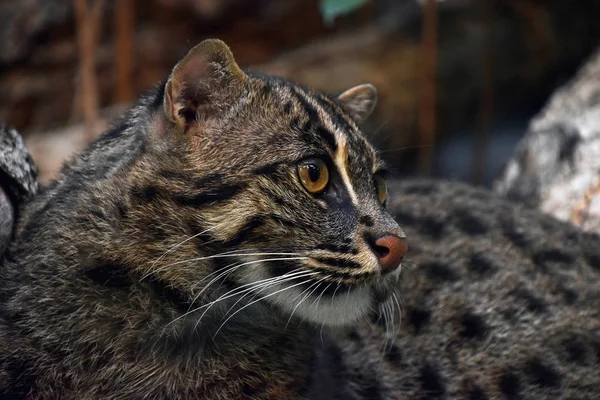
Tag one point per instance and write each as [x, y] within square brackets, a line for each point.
[390, 249]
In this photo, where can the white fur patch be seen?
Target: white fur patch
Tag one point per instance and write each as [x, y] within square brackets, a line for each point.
[346, 308]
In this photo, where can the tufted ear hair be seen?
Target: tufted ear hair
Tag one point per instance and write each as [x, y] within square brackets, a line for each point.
[359, 101]
[202, 83]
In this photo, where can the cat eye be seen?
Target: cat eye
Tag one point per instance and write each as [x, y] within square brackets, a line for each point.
[313, 174]
[380, 188]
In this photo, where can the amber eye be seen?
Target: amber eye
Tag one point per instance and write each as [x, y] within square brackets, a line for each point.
[313, 174]
[381, 188]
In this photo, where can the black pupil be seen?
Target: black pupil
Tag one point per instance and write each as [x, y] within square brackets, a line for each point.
[314, 172]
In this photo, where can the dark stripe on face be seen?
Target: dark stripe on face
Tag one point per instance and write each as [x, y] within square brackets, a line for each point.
[209, 180]
[339, 118]
[110, 275]
[313, 114]
[144, 194]
[328, 137]
[209, 196]
[246, 232]
[338, 262]
[313, 117]
[334, 248]
[268, 169]
[287, 267]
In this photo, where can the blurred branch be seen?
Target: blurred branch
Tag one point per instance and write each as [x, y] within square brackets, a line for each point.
[88, 25]
[428, 95]
[124, 34]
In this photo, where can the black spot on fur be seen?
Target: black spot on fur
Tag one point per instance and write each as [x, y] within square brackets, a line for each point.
[544, 257]
[418, 317]
[470, 223]
[367, 221]
[509, 385]
[542, 374]
[432, 226]
[436, 271]
[394, 355]
[110, 275]
[570, 296]
[473, 326]
[477, 393]
[481, 264]
[515, 234]
[576, 350]
[432, 384]
[404, 218]
[532, 302]
[146, 194]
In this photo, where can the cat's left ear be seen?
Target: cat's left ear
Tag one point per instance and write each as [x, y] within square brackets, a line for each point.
[204, 83]
[359, 101]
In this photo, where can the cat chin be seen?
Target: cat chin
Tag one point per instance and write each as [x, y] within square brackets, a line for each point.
[345, 308]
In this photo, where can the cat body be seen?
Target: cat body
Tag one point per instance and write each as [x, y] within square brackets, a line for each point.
[228, 238]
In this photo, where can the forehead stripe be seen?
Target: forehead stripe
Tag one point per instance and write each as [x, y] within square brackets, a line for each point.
[341, 158]
[313, 115]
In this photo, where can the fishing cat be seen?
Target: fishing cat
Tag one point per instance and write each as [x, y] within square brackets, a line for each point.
[229, 238]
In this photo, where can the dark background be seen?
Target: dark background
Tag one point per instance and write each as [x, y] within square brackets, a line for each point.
[458, 79]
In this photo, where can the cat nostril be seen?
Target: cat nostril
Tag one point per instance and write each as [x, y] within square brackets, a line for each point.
[390, 250]
[380, 251]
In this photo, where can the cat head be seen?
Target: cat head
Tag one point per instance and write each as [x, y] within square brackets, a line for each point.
[281, 189]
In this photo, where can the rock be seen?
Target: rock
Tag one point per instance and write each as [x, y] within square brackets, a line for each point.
[557, 164]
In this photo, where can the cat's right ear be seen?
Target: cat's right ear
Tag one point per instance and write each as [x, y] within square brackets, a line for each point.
[202, 84]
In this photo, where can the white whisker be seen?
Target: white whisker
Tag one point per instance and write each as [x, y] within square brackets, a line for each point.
[233, 253]
[232, 292]
[173, 248]
[256, 301]
[300, 302]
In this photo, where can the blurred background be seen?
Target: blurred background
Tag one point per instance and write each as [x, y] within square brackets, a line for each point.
[459, 80]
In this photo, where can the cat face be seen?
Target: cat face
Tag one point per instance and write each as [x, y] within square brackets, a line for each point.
[288, 184]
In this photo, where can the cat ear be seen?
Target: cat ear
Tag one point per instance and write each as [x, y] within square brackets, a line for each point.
[359, 101]
[202, 83]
